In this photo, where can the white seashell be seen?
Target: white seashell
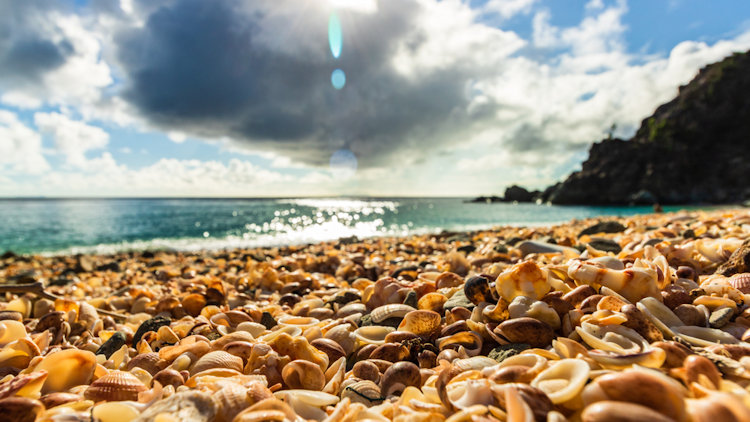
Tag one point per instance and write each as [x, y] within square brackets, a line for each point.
[256, 330]
[662, 317]
[342, 335]
[315, 398]
[703, 336]
[653, 358]
[394, 310]
[372, 334]
[297, 321]
[564, 380]
[335, 376]
[114, 412]
[612, 338]
[292, 330]
[470, 393]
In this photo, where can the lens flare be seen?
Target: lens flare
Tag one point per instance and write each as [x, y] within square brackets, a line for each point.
[338, 78]
[334, 35]
[343, 164]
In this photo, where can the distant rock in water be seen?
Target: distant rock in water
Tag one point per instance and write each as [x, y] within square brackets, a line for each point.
[693, 149]
[513, 193]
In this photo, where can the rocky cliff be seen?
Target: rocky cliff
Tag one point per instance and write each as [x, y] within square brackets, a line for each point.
[693, 149]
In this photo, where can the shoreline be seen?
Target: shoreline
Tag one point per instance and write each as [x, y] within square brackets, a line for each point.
[351, 327]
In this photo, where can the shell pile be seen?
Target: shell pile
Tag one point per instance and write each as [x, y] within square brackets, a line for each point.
[644, 318]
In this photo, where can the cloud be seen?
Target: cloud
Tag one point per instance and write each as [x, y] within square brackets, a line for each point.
[20, 146]
[72, 138]
[226, 69]
[509, 8]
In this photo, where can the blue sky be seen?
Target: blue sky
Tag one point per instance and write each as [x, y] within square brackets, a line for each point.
[233, 98]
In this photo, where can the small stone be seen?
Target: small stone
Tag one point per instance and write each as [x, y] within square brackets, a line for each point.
[605, 245]
[466, 248]
[152, 324]
[500, 248]
[112, 345]
[720, 317]
[458, 299]
[532, 246]
[268, 320]
[603, 227]
[411, 299]
[112, 266]
[505, 351]
[85, 264]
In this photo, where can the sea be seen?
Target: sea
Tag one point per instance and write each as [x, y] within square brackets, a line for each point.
[104, 226]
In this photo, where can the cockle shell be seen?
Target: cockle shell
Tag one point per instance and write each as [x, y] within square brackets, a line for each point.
[230, 400]
[150, 362]
[66, 369]
[115, 386]
[217, 359]
[365, 392]
[563, 380]
[741, 282]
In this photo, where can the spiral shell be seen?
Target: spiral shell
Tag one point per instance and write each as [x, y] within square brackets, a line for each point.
[115, 386]
[564, 380]
[365, 392]
[384, 312]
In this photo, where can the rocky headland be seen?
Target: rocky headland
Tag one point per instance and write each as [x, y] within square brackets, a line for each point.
[693, 149]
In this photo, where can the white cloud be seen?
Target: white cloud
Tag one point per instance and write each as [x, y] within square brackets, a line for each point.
[20, 146]
[72, 138]
[509, 8]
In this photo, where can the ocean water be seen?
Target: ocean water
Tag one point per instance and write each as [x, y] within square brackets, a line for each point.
[69, 226]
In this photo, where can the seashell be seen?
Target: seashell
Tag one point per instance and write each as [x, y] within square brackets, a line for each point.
[564, 380]
[11, 331]
[303, 375]
[640, 386]
[702, 336]
[477, 290]
[298, 348]
[568, 348]
[700, 370]
[523, 279]
[151, 324]
[186, 406]
[469, 340]
[87, 315]
[66, 369]
[57, 399]
[391, 352]
[675, 353]
[394, 310]
[741, 282]
[690, 315]
[652, 358]
[316, 399]
[365, 392]
[20, 409]
[219, 343]
[115, 386]
[527, 330]
[470, 392]
[343, 336]
[150, 362]
[713, 302]
[168, 376]
[330, 348]
[217, 359]
[193, 304]
[605, 411]
[366, 370]
[576, 296]
[192, 344]
[399, 376]
[612, 338]
[23, 385]
[639, 322]
[432, 302]
[230, 400]
[422, 323]
[296, 321]
[114, 412]
[632, 283]
[373, 334]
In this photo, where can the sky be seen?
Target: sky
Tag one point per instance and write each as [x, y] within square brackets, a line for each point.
[255, 98]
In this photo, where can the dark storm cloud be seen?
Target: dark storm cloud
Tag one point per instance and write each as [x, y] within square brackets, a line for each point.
[27, 49]
[259, 72]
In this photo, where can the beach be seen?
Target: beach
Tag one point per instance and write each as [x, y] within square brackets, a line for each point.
[556, 322]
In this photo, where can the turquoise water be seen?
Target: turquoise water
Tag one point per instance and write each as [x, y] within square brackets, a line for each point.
[63, 226]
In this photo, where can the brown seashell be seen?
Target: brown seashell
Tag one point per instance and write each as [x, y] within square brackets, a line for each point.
[399, 376]
[576, 296]
[528, 330]
[611, 303]
[217, 359]
[448, 279]
[690, 315]
[168, 376]
[150, 362]
[193, 304]
[365, 351]
[741, 282]
[676, 353]
[675, 296]
[365, 392]
[700, 370]
[617, 411]
[241, 349]
[56, 399]
[193, 344]
[301, 374]
[391, 352]
[366, 370]
[591, 302]
[432, 302]
[220, 343]
[115, 386]
[330, 348]
[454, 328]
[399, 336]
[639, 322]
[422, 323]
[20, 409]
